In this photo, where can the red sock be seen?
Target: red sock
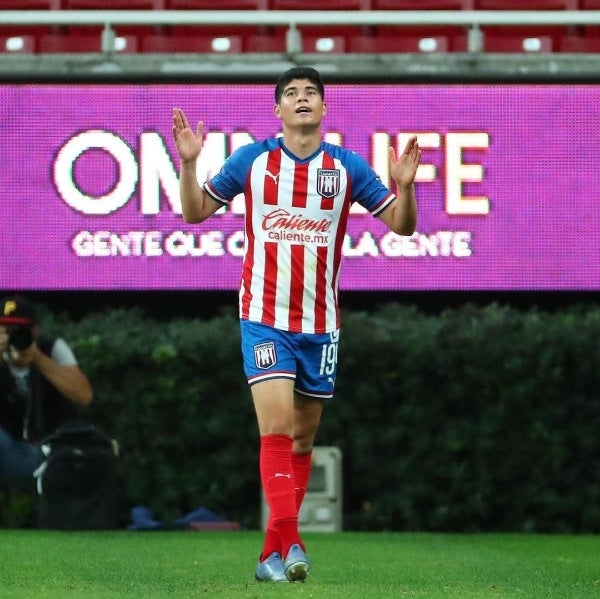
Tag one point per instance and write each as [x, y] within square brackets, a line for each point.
[301, 464]
[271, 542]
[278, 484]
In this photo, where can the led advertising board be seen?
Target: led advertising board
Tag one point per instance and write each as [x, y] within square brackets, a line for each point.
[508, 187]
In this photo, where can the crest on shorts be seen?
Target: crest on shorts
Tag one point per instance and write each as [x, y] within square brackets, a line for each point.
[328, 182]
[264, 355]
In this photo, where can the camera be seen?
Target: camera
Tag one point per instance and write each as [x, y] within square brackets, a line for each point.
[20, 337]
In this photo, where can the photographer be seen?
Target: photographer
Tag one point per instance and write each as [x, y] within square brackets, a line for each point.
[41, 387]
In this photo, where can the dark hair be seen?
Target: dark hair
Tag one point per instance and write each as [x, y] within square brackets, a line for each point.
[308, 73]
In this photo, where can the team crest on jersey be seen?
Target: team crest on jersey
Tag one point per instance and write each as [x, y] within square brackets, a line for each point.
[264, 355]
[328, 182]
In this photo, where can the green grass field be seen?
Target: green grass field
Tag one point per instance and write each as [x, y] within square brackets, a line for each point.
[138, 565]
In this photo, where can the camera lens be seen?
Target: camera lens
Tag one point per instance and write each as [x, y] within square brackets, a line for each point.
[19, 337]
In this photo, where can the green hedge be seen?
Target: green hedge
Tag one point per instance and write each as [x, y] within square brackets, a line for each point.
[476, 418]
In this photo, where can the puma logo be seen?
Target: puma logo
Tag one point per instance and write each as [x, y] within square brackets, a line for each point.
[274, 177]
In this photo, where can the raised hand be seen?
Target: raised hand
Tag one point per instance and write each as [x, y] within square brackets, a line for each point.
[404, 169]
[188, 143]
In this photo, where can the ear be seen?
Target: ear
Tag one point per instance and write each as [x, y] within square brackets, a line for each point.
[277, 110]
[324, 109]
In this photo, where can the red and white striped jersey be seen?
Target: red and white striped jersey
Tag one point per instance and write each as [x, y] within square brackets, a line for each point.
[296, 213]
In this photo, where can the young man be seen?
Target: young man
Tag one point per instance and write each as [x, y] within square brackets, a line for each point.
[41, 387]
[298, 191]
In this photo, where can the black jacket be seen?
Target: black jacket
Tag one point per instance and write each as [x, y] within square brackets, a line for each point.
[40, 413]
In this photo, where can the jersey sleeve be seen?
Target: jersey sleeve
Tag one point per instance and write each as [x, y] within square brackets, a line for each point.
[367, 187]
[230, 180]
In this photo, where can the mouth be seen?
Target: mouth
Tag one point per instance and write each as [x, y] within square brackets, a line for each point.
[302, 110]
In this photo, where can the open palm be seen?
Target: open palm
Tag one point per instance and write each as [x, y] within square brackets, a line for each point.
[188, 143]
[404, 168]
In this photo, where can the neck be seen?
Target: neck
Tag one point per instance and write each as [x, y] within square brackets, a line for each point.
[301, 143]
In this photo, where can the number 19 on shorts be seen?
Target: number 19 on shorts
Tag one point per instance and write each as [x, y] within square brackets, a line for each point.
[329, 355]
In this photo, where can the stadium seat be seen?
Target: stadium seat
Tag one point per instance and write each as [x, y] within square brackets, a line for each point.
[239, 30]
[327, 30]
[422, 5]
[55, 43]
[29, 30]
[114, 5]
[194, 43]
[525, 4]
[528, 29]
[323, 44]
[217, 5]
[397, 44]
[316, 44]
[590, 31]
[265, 42]
[30, 4]
[580, 44]
[416, 32]
[523, 43]
[17, 44]
[320, 4]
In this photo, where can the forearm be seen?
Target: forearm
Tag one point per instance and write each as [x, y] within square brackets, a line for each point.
[403, 213]
[194, 201]
[68, 380]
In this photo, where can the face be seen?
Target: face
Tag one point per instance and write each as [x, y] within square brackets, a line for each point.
[301, 104]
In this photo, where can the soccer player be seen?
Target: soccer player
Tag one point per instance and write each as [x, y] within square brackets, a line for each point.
[298, 190]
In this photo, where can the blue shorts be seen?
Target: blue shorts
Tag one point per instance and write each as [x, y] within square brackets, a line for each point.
[310, 360]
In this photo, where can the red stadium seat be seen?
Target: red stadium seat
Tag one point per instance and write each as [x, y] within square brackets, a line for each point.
[415, 31]
[17, 44]
[528, 29]
[326, 30]
[265, 42]
[580, 44]
[218, 5]
[524, 43]
[320, 4]
[240, 30]
[525, 4]
[397, 44]
[590, 31]
[529, 44]
[196, 43]
[30, 4]
[315, 44]
[323, 44]
[55, 43]
[35, 30]
[422, 4]
[113, 5]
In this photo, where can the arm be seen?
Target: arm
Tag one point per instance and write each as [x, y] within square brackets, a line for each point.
[196, 204]
[401, 215]
[69, 380]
